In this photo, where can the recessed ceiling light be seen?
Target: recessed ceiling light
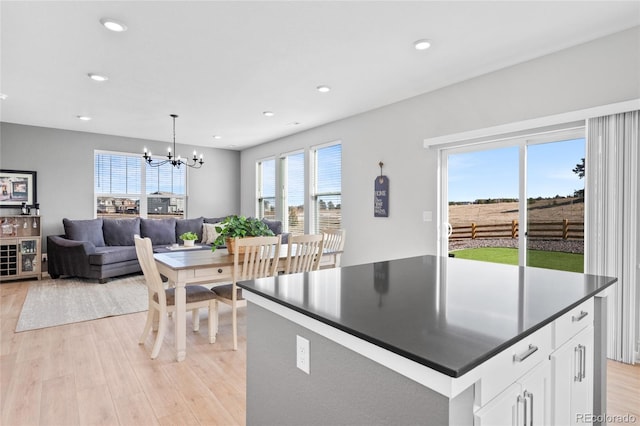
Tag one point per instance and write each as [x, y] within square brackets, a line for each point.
[3, 96]
[268, 114]
[423, 44]
[98, 77]
[113, 25]
[323, 89]
[217, 137]
[83, 117]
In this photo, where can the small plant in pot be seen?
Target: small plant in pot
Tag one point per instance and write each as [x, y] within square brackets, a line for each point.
[189, 238]
[241, 227]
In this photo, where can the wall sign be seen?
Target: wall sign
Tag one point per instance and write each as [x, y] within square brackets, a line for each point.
[381, 196]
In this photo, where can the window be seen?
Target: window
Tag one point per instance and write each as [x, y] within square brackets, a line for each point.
[327, 187]
[266, 201]
[323, 211]
[166, 190]
[293, 200]
[125, 186]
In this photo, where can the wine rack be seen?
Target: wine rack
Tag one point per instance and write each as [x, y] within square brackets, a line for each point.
[20, 247]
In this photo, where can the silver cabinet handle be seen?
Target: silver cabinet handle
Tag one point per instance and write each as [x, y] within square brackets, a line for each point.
[580, 364]
[577, 358]
[579, 317]
[526, 354]
[584, 362]
[529, 396]
[523, 400]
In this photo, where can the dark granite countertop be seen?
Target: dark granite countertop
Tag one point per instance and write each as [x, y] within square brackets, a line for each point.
[445, 313]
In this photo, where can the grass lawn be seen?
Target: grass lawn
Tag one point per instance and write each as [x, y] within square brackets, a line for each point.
[542, 259]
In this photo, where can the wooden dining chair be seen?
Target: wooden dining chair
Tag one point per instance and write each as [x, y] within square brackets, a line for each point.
[254, 257]
[162, 301]
[334, 242]
[304, 253]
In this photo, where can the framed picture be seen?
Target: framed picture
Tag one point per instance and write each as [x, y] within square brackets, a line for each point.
[17, 187]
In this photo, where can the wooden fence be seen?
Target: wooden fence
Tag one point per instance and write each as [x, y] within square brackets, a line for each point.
[564, 229]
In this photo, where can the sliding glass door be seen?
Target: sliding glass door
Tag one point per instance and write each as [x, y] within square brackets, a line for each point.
[555, 205]
[518, 201]
[483, 203]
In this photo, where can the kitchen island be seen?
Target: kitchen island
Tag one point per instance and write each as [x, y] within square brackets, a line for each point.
[425, 340]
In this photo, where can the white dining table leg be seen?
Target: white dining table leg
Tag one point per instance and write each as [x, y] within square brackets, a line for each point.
[181, 322]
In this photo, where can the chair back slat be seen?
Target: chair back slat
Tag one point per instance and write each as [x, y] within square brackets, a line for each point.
[334, 242]
[304, 253]
[260, 258]
[334, 239]
[144, 251]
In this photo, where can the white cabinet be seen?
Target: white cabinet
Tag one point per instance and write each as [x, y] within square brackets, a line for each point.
[527, 402]
[572, 372]
[545, 379]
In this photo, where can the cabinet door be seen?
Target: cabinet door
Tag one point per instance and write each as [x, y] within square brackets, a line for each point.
[572, 375]
[29, 256]
[525, 403]
[536, 389]
[582, 388]
[506, 409]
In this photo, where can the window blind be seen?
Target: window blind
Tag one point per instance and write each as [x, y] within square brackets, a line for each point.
[294, 193]
[328, 187]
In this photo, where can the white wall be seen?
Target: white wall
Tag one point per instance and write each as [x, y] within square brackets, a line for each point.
[601, 72]
[63, 161]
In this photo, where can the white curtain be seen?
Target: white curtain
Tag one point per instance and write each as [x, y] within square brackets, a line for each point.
[611, 221]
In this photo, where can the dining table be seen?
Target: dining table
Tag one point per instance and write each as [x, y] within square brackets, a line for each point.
[183, 266]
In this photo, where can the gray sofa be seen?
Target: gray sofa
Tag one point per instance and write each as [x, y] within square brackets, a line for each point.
[104, 248]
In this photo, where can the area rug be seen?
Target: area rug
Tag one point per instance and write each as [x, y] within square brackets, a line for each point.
[63, 301]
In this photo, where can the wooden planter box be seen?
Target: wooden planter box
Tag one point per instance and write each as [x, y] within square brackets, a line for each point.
[231, 246]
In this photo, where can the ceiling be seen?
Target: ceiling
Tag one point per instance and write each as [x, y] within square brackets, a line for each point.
[219, 65]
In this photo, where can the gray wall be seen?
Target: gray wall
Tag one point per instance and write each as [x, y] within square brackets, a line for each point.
[342, 387]
[598, 73]
[64, 163]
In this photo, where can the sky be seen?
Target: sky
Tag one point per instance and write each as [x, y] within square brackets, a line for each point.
[494, 173]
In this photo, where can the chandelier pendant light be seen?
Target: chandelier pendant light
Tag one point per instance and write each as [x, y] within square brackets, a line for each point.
[176, 161]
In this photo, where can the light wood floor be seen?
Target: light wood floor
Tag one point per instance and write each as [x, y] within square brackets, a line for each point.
[95, 373]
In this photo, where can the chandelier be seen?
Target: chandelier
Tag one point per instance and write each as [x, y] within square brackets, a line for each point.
[175, 161]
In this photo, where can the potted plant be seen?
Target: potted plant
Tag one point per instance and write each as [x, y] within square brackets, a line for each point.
[189, 238]
[239, 226]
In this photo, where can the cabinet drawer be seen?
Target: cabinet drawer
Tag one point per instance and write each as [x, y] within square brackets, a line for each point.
[221, 272]
[509, 365]
[571, 323]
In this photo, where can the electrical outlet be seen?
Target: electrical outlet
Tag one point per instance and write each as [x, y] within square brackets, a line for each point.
[302, 354]
[427, 216]
[44, 257]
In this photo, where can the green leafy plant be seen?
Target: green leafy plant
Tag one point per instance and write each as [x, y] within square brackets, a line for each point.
[240, 226]
[189, 236]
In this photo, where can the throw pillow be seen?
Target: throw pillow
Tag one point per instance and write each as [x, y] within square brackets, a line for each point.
[189, 225]
[120, 232]
[274, 225]
[84, 230]
[214, 219]
[209, 233]
[161, 231]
